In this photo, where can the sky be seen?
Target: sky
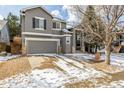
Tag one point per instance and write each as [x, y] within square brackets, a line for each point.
[56, 10]
[61, 11]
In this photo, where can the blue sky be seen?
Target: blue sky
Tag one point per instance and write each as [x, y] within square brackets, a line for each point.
[55, 9]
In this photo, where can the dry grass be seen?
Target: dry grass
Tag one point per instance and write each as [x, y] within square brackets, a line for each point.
[14, 66]
[48, 63]
[110, 69]
[118, 76]
[89, 83]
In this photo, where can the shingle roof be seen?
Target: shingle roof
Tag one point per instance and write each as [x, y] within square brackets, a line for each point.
[58, 19]
[2, 23]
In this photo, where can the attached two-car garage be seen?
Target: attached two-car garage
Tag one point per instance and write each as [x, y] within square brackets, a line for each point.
[38, 46]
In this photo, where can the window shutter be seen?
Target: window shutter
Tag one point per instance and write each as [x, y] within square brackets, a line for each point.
[44, 23]
[33, 22]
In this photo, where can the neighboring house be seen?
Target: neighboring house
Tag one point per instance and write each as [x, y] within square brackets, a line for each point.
[119, 39]
[43, 33]
[118, 43]
[81, 43]
[4, 33]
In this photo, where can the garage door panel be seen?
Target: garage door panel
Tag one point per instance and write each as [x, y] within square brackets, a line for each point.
[35, 47]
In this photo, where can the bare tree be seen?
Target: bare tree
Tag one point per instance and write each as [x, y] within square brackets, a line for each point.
[113, 18]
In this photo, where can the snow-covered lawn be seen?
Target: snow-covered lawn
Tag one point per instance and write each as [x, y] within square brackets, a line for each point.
[114, 84]
[5, 58]
[116, 59]
[66, 71]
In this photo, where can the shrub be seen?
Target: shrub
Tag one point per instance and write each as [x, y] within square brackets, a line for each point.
[8, 49]
[2, 46]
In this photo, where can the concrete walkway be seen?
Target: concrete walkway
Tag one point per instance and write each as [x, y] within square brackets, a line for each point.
[35, 61]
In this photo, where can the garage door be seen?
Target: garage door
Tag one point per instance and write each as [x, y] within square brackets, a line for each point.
[37, 47]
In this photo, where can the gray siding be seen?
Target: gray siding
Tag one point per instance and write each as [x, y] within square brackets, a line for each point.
[26, 22]
[58, 32]
[63, 25]
[22, 23]
[37, 12]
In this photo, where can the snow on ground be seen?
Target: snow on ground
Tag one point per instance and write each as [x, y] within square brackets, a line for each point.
[116, 59]
[47, 78]
[5, 58]
[37, 78]
[114, 84]
[81, 71]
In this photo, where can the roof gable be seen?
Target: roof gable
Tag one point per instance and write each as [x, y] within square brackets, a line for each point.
[33, 7]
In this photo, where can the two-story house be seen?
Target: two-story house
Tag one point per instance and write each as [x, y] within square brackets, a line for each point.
[43, 33]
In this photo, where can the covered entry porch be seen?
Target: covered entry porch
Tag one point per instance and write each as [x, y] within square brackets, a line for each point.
[80, 44]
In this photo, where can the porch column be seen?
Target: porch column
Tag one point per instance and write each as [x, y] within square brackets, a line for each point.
[74, 42]
[82, 42]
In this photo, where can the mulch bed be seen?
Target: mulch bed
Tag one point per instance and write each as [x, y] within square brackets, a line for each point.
[95, 61]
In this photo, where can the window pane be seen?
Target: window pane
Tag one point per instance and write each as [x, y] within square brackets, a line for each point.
[36, 23]
[41, 23]
[54, 24]
[57, 25]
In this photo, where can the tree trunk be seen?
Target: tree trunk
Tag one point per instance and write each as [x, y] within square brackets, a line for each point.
[107, 55]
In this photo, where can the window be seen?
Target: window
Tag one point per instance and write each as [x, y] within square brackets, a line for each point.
[56, 25]
[39, 23]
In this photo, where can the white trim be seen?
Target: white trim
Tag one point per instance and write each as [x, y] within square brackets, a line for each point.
[56, 29]
[43, 39]
[41, 18]
[39, 28]
[43, 34]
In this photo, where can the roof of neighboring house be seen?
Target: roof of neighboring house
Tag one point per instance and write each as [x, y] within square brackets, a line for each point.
[58, 19]
[66, 31]
[2, 23]
[38, 6]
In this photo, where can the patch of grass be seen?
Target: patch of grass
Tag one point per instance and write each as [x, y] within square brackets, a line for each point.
[110, 69]
[89, 83]
[48, 63]
[14, 66]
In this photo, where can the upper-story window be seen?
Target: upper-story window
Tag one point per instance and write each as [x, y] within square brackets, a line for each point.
[39, 23]
[57, 25]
